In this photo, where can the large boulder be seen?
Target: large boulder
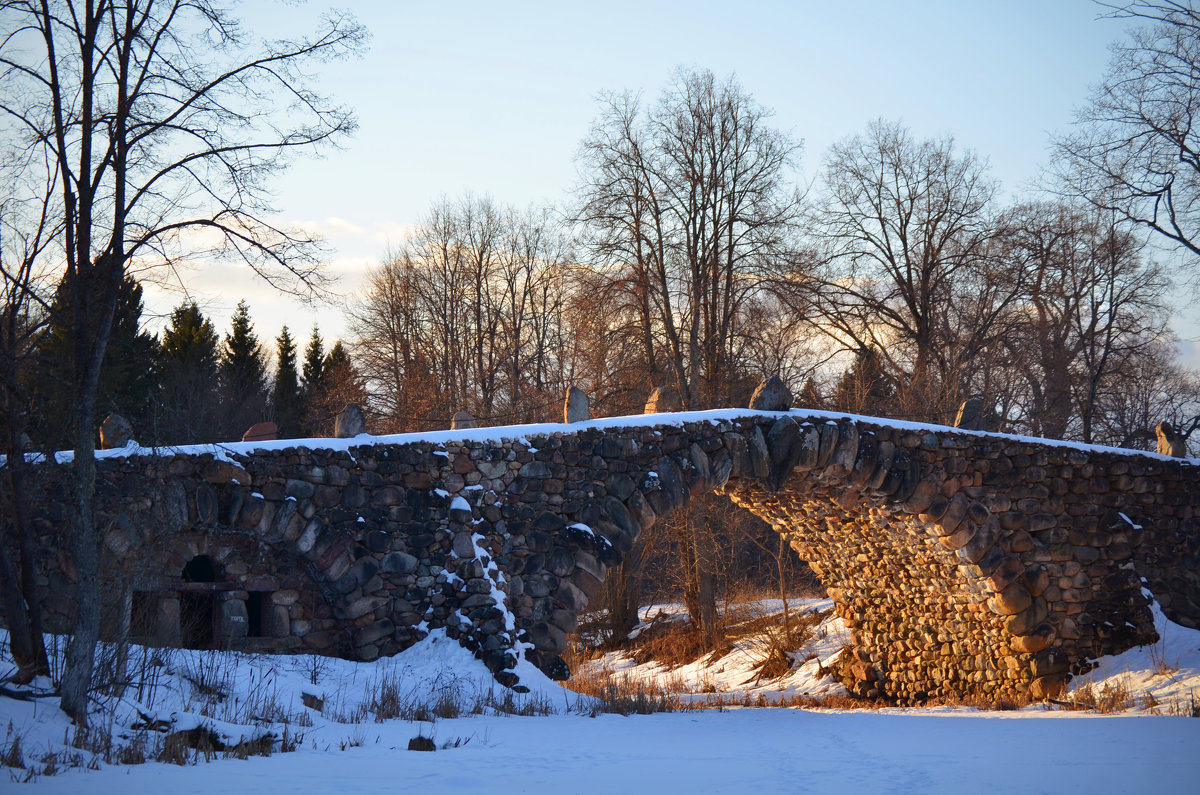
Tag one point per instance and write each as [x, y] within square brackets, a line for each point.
[350, 422]
[261, 432]
[1170, 441]
[771, 395]
[575, 406]
[662, 400]
[463, 420]
[115, 432]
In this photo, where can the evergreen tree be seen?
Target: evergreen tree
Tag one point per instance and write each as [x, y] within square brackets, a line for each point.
[129, 373]
[189, 405]
[310, 389]
[338, 385]
[243, 373]
[865, 388]
[314, 360]
[286, 400]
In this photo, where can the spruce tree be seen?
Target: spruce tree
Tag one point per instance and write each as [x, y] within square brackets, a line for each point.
[339, 385]
[129, 372]
[314, 360]
[286, 400]
[243, 372]
[314, 368]
[189, 405]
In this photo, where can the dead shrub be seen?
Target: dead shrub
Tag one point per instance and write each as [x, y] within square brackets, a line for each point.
[10, 754]
[1112, 697]
[676, 643]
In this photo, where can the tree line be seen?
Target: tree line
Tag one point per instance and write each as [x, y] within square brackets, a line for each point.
[189, 384]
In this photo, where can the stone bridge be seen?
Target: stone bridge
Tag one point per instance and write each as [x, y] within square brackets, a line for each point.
[963, 562]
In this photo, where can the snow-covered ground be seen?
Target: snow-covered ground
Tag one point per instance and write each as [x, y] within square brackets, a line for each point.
[569, 746]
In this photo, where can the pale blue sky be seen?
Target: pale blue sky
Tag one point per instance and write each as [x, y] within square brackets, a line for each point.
[495, 98]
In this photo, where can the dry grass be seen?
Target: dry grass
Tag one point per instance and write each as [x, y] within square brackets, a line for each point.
[774, 646]
[10, 753]
[1113, 697]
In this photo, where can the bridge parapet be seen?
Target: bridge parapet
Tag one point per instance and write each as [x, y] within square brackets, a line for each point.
[964, 562]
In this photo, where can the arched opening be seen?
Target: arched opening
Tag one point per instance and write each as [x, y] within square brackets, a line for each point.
[201, 568]
[197, 605]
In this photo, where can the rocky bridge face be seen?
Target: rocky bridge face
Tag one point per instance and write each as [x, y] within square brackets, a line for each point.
[963, 562]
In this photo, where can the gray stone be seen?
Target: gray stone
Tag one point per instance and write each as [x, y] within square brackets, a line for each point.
[575, 405]
[970, 414]
[760, 459]
[536, 469]
[463, 420]
[771, 395]
[234, 622]
[662, 400]
[492, 469]
[350, 422]
[399, 564]
[547, 637]
[464, 545]
[783, 445]
[115, 432]
[1170, 441]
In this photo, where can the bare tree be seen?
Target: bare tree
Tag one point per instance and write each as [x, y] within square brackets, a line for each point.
[467, 316]
[1089, 302]
[1148, 389]
[901, 261]
[685, 209]
[26, 230]
[157, 119]
[1135, 150]
[686, 205]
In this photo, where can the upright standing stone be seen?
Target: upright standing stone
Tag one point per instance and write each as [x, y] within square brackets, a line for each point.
[462, 420]
[662, 400]
[970, 415]
[261, 432]
[350, 422]
[1170, 441]
[771, 395]
[115, 432]
[575, 407]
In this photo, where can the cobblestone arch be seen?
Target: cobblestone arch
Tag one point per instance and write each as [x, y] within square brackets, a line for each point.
[963, 562]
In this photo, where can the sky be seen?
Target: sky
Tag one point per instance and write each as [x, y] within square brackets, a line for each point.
[494, 98]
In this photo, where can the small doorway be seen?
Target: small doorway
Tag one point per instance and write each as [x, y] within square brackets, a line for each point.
[197, 606]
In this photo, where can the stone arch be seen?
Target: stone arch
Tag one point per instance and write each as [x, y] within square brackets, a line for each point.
[943, 553]
[201, 568]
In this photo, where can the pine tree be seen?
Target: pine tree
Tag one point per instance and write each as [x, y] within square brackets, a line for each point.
[189, 405]
[286, 400]
[129, 373]
[243, 373]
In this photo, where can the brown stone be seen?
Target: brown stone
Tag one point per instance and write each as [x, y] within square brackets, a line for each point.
[115, 432]
[663, 399]
[1027, 620]
[1012, 599]
[956, 511]
[1047, 687]
[1039, 639]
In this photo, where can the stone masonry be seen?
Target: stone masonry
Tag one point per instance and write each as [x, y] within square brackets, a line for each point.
[963, 562]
